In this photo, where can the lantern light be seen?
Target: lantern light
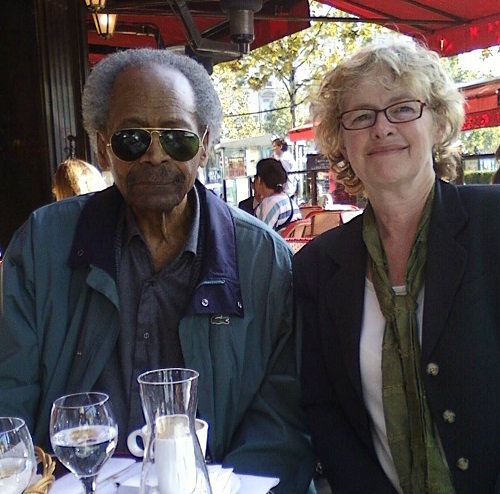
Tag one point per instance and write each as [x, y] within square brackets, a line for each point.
[104, 24]
[95, 5]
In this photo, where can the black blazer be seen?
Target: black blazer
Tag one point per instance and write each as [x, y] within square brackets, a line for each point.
[460, 343]
[247, 205]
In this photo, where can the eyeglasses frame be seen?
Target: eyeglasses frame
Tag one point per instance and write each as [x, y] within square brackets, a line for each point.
[384, 111]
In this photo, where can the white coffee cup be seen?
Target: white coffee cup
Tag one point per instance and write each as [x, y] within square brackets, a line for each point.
[137, 450]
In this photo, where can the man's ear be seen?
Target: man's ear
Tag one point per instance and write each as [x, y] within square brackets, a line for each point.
[102, 152]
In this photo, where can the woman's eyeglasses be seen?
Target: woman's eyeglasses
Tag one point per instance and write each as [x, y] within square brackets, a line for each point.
[406, 111]
[179, 144]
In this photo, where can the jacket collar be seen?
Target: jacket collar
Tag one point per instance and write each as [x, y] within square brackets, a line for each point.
[446, 261]
[444, 271]
[94, 245]
[345, 305]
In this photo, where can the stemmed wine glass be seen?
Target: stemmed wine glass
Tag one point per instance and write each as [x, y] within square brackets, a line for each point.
[84, 434]
[17, 456]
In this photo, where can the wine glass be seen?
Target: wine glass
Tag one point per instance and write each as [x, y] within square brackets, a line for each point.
[84, 434]
[17, 456]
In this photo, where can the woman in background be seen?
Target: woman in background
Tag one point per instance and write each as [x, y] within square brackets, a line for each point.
[276, 208]
[74, 177]
[401, 306]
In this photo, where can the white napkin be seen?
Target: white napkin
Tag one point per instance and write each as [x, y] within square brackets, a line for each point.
[122, 476]
[220, 481]
[242, 484]
[112, 473]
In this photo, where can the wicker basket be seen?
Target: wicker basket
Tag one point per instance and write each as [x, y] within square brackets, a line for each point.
[48, 465]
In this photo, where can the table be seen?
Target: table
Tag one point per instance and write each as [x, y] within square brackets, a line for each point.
[121, 476]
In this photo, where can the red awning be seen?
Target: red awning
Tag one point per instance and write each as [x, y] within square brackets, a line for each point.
[158, 24]
[483, 104]
[302, 133]
[449, 27]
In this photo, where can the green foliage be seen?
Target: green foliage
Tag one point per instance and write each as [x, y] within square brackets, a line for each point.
[292, 68]
[477, 177]
[278, 122]
[480, 141]
[294, 64]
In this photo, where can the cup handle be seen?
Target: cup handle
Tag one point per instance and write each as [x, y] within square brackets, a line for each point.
[132, 445]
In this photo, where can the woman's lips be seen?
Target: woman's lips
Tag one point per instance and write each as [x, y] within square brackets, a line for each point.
[386, 150]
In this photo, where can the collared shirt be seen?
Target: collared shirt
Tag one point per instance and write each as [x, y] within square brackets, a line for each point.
[278, 209]
[151, 306]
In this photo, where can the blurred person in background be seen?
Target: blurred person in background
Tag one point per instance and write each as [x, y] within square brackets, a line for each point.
[250, 203]
[281, 153]
[401, 306]
[74, 177]
[276, 208]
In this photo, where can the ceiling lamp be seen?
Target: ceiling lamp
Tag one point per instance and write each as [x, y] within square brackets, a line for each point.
[104, 24]
[241, 21]
[95, 5]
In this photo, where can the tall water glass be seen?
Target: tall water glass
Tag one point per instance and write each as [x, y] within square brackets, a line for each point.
[173, 460]
[17, 456]
[84, 434]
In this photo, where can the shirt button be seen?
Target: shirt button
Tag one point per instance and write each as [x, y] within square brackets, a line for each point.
[80, 253]
[145, 336]
[432, 369]
[463, 464]
[449, 416]
[240, 305]
[204, 302]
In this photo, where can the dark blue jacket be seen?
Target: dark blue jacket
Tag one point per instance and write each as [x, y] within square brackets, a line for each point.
[460, 344]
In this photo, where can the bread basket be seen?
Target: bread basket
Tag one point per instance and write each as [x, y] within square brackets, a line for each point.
[46, 469]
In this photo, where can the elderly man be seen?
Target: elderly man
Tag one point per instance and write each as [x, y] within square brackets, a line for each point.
[155, 272]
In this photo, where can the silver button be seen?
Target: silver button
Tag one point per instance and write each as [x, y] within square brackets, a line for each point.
[432, 369]
[463, 464]
[240, 305]
[204, 302]
[449, 416]
[145, 336]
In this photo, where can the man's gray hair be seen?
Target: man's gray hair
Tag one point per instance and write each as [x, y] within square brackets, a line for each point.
[97, 91]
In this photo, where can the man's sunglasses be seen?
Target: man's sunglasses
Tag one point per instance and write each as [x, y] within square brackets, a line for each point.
[131, 144]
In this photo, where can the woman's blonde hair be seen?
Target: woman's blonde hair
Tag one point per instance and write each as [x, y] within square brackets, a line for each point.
[412, 66]
[74, 177]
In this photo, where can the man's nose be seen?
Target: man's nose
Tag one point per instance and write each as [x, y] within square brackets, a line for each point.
[156, 153]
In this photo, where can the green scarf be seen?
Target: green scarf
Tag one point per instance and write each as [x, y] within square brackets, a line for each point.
[410, 429]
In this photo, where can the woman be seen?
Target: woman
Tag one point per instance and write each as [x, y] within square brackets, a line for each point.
[275, 208]
[74, 177]
[281, 153]
[401, 306]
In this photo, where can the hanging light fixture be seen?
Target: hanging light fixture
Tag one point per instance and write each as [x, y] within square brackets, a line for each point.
[95, 5]
[104, 24]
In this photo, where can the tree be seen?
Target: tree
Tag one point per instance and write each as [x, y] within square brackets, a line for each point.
[234, 96]
[296, 63]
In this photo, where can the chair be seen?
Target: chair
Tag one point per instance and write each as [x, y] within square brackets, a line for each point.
[306, 211]
[299, 228]
[297, 243]
[322, 221]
